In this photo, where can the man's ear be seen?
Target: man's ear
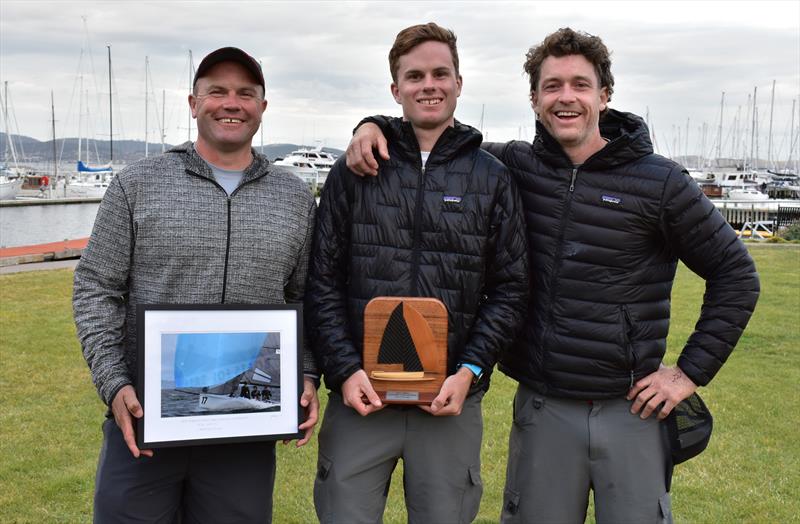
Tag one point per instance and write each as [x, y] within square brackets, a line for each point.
[193, 105]
[603, 98]
[395, 92]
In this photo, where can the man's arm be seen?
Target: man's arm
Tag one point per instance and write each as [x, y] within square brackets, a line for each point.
[505, 297]
[370, 135]
[326, 297]
[704, 241]
[293, 293]
[99, 299]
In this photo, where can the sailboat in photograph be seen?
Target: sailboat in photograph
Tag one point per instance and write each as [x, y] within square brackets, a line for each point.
[228, 368]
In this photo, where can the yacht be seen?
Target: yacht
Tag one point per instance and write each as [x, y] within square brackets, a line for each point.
[311, 165]
[9, 187]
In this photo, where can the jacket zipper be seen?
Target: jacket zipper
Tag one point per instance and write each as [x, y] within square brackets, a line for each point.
[557, 266]
[415, 253]
[628, 343]
[227, 252]
[228, 231]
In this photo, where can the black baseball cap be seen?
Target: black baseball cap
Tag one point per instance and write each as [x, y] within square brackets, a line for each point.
[230, 54]
[689, 427]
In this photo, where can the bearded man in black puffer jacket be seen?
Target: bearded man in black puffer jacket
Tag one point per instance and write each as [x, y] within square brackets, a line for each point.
[444, 221]
[607, 222]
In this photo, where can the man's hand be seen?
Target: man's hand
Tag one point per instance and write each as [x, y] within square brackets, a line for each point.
[451, 396]
[124, 406]
[360, 159]
[359, 394]
[667, 387]
[310, 403]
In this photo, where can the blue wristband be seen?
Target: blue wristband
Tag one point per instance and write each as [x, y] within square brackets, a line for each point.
[477, 371]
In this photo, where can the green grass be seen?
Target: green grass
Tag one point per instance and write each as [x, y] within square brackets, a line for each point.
[50, 415]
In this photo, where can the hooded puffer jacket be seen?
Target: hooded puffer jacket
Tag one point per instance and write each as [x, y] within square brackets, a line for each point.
[453, 231]
[604, 240]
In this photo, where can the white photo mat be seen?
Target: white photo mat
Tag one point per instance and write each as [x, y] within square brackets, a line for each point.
[156, 430]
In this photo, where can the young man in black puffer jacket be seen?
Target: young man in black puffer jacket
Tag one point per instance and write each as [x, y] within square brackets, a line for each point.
[444, 222]
[607, 222]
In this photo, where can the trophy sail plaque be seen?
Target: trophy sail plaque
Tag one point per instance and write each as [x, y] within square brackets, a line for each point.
[405, 348]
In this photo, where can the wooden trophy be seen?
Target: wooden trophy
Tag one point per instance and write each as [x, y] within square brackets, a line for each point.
[405, 348]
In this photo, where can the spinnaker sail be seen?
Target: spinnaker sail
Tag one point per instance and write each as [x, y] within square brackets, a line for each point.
[209, 359]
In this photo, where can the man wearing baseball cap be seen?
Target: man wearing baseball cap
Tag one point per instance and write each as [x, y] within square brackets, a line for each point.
[209, 222]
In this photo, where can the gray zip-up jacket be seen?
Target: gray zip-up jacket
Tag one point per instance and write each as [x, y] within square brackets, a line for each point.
[167, 233]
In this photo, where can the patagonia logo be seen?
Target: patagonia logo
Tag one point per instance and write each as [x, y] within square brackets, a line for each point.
[451, 199]
[611, 199]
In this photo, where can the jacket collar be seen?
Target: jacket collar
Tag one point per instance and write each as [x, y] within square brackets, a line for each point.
[197, 166]
[449, 145]
[628, 136]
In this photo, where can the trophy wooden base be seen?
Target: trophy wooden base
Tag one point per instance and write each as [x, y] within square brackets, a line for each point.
[405, 348]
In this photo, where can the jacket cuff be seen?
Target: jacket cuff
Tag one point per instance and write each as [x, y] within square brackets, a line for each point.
[695, 374]
[335, 381]
[111, 387]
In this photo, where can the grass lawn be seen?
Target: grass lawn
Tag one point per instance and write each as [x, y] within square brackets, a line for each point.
[50, 415]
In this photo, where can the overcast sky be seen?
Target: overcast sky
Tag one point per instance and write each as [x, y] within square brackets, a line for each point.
[325, 63]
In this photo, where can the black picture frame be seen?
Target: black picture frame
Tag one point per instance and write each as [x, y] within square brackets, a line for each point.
[218, 373]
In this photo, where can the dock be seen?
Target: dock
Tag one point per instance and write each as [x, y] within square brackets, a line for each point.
[47, 201]
[11, 256]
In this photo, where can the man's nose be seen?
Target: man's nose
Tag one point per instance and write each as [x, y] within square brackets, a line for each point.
[231, 100]
[566, 94]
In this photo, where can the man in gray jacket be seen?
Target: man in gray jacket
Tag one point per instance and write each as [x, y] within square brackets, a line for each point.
[206, 223]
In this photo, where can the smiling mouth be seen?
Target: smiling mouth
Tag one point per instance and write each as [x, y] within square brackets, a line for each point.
[230, 120]
[567, 115]
[430, 101]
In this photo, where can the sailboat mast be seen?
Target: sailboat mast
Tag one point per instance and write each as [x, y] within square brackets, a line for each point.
[769, 141]
[55, 153]
[753, 131]
[146, 67]
[163, 122]
[191, 87]
[791, 139]
[110, 113]
[80, 117]
[719, 129]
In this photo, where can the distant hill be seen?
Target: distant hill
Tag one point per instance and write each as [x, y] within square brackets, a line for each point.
[125, 151]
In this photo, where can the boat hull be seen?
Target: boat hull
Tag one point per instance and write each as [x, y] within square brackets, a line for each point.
[211, 402]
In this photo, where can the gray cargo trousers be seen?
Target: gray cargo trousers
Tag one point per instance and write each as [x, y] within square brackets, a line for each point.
[441, 463]
[560, 449]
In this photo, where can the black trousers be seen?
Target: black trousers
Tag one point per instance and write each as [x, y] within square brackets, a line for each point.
[223, 483]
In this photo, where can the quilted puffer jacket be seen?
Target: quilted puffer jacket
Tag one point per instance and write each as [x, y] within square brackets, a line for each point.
[605, 238]
[453, 231]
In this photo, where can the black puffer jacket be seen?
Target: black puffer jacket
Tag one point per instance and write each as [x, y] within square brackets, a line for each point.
[604, 241]
[453, 231]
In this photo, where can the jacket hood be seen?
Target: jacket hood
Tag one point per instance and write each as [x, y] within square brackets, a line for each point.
[628, 136]
[452, 141]
[198, 166]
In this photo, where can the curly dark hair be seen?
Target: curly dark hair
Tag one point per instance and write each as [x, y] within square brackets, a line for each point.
[411, 37]
[565, 42]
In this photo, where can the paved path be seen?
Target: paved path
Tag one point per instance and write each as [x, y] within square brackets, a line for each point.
[40, 266]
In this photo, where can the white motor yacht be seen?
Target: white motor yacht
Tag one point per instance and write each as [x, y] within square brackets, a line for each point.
[746, 193]
[311, 165]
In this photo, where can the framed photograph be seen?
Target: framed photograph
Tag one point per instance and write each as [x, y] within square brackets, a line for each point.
[212, 374]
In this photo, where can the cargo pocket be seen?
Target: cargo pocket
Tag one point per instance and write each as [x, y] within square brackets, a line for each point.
[471, 501]
[526, 405]
[322, 490]
[665, 507]
[509, 515]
